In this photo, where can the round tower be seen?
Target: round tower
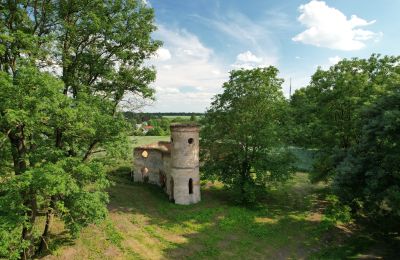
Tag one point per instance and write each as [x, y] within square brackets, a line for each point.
[184, 164]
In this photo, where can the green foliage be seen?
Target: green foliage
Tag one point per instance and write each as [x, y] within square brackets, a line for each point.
[52, 123]
[156, 131]
[369, 176]
[327, 113]
[161, 127]
[193, 118]
[336, 211]
[243, 134]
[350, 114]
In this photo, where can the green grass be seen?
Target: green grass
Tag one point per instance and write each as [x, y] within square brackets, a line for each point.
[143, 140]
[143, 224]
[183, 117]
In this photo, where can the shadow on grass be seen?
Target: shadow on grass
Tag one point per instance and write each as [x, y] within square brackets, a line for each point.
[57, 241]
[287, 225]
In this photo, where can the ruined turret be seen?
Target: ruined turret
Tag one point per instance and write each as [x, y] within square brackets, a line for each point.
[184, 165]
[172, 165]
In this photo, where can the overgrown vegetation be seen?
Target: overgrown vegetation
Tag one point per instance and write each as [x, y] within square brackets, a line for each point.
[243, 134]
[290, 223]
[350, 115]
[65, 67]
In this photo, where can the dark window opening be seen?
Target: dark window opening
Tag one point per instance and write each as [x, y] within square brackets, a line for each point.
[190, 186]
[145, 174]
[190, 140]
[162, 179]
[145, 170]
[171, 197]
[172, 140]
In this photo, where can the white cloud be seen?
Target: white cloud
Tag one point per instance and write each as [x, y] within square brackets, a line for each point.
[191, 75]
[162, 54]
[247, 56]
[241, 30]
[328, 27]
[334, 60]
[329, 63]
[247, 60]
[216, 72]
[163, 91]
[146, 2]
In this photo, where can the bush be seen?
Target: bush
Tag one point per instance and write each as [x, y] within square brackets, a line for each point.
[368, 178]
[156, 131]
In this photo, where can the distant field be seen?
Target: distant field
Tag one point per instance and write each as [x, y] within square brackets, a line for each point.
[173, 117]
[143, 140]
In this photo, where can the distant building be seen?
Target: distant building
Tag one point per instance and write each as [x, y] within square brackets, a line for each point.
[174, 166]
[147, 128]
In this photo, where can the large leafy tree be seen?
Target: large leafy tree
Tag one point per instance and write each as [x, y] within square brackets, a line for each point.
[350, 115]
[65, 67]
[327, 112]
[368, 177]
[243, 133]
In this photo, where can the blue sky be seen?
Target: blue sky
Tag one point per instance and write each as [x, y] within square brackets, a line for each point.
[205, 39]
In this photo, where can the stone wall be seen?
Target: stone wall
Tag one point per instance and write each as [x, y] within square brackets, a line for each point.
[174, 165]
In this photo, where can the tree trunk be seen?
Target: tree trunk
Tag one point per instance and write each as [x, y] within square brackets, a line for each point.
[244, 174]
[28, 252]
[58, 137]
[18, 150]
[89, 151]
[46, 231]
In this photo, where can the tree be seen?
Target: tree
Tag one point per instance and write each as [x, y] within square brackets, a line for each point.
[368, 177]
[156, 131]
[243, 133]
[193, 118]
[65, 67]
[165, 124]
[326, 113]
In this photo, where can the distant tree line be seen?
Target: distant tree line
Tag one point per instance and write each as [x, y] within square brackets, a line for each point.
[140, 117]
[160, 122]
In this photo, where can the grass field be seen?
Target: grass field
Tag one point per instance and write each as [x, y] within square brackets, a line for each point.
[173, 117]
[142, 140]
[142, 224]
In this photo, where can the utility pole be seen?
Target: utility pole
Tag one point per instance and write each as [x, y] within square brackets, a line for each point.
[290, 88]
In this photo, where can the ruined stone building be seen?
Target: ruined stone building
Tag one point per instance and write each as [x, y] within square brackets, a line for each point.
[174, 165]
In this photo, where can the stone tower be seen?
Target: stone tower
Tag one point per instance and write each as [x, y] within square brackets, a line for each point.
[184, 180]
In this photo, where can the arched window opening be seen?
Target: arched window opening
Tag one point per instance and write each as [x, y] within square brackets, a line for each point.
[190, 186]
[171, 196]
[162, 179]
[190, 140]
[145, 174]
